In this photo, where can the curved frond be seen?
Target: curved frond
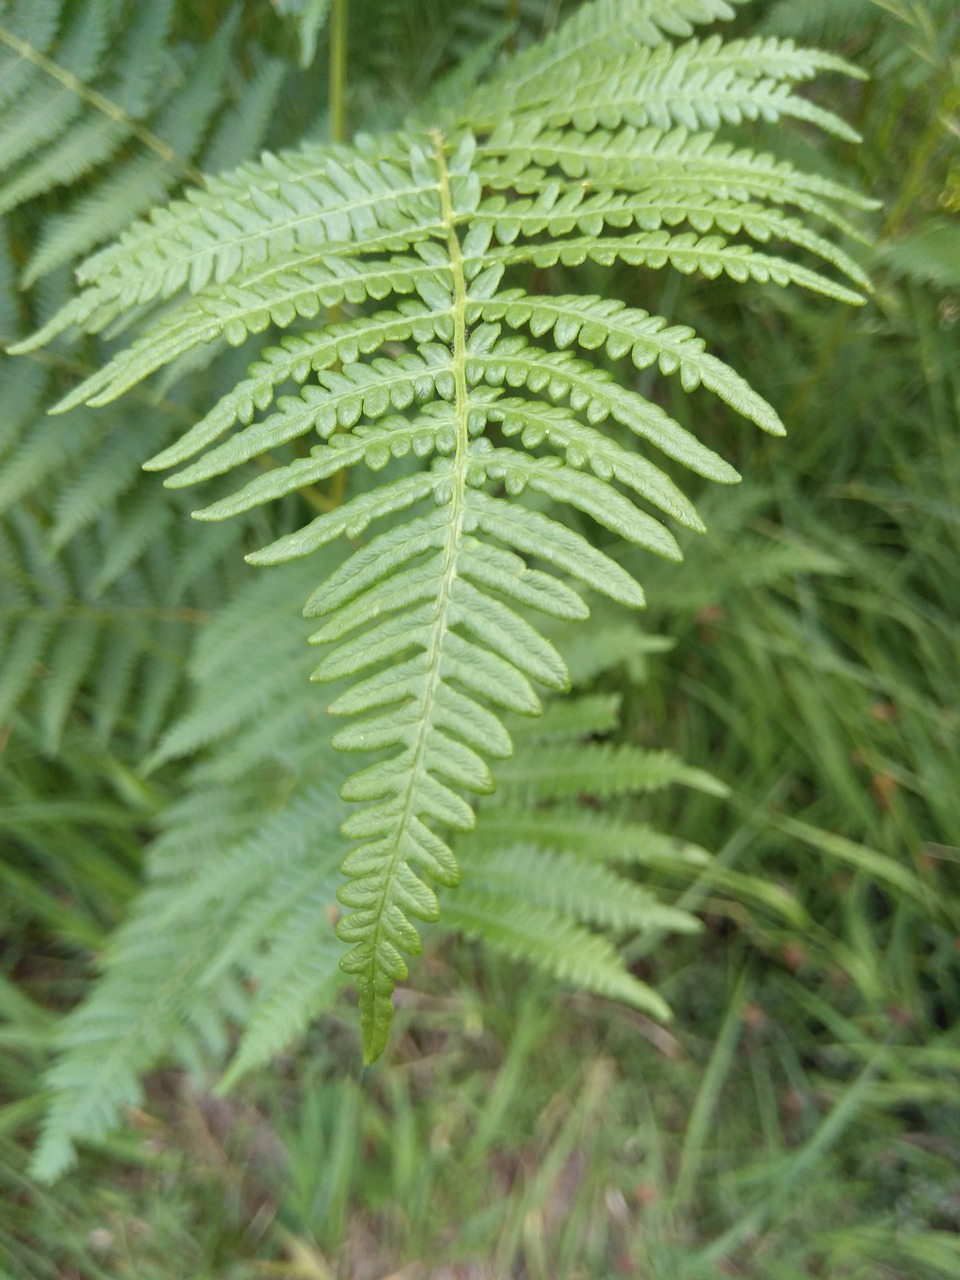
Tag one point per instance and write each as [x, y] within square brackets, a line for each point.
[509, 464]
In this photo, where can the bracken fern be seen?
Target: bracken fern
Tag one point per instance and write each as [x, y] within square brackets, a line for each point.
[599, 146]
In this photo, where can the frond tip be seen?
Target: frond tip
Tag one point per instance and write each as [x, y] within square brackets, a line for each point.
[484, 404]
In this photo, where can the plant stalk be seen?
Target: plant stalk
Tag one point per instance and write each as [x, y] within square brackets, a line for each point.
[338, 71]
[338, 133]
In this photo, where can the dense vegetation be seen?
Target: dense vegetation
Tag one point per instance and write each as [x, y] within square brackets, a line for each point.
[769, 751]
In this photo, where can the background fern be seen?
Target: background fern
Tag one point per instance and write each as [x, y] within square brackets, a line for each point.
[107, 106]
[102, 587]
[108, 84]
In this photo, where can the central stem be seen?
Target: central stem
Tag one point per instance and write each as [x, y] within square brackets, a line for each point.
[410, 799]
[337, 102]
[458, 479]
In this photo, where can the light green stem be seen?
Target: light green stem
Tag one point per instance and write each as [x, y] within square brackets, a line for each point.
[375, 1009]
[338, 133]
[338, 71]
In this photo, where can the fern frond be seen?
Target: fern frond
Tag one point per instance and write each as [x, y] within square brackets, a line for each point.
[101, 588]
[700, 84]
[152, 996]
[564, 772]
[310, 15]
[545, 864]
[598, 31]
[101, 86]
[586, 151]
[178, 974]
[297, 978]
[128, 189]
[570, 886]
[555, 944]
[578, 830]
[104, 625]
[246, 933]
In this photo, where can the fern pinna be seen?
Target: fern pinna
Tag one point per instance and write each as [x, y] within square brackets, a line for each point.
[599, 146]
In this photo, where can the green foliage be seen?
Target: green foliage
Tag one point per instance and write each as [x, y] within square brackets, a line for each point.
[247, 934]
[100, 96]
[106, 109]
[541, 165]
[798, 1116]
[495, 433]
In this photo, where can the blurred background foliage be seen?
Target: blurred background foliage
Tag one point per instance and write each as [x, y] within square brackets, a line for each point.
[799, 1117]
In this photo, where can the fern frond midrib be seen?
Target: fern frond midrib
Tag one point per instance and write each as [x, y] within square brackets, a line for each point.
[448, 574]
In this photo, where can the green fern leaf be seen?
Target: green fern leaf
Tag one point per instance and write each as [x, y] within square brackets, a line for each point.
[587, 150]
[180, 970]
[104, 86]
[310, 16]
[573, 887]
[567, 771]
[568, 951]
[586, 834]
